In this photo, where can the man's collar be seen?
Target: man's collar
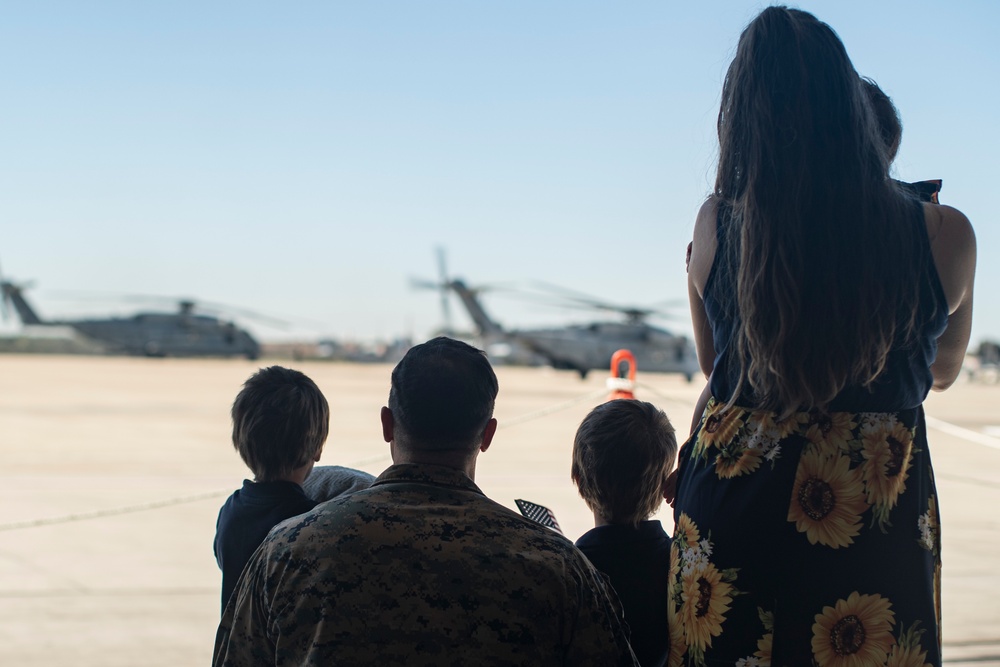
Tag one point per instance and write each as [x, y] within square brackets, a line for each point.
[425, 473]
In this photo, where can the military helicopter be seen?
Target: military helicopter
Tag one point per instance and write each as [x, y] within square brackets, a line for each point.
[157, 334]
[581, 347]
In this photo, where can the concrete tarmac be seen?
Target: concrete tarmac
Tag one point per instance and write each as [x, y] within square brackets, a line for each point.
[112, 472]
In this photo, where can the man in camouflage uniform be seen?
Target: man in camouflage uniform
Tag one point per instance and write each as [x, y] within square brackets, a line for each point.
[422, 568]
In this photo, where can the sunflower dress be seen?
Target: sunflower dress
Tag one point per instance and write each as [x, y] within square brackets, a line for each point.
[813, 539]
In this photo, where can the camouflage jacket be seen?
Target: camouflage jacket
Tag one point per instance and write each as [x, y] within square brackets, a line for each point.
[420, 569]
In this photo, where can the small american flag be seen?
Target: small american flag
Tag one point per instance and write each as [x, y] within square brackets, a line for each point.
[538, 514]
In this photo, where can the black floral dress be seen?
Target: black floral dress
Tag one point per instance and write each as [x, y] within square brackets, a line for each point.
[809, 540]
[814, 539]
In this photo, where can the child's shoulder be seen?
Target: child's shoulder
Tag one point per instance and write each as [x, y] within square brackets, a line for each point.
[328, 482]
[622, 534]
[263, 498]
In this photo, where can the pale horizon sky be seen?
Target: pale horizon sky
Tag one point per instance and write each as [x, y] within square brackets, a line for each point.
[305, 159]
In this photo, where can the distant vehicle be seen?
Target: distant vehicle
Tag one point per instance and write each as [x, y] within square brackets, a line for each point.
[582, 347]
[985, 366]
[155, 334]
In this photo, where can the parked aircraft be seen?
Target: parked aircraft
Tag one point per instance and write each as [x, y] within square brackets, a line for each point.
[582, 347]
[184, 333]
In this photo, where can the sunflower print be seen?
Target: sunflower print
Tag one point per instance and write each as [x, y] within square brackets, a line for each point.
[762, 656]
[835, 428]
[907, 657]
[705, 599]
[677, 646]
[927, 524]
[686, 534]
[764, 648]
[767, 424]
[736, 458]
[930, 539]
[907, 651]
[887, 457]
[854, 632]
[937, 599]
[839, 478]
[718, 427]
[701, 594]
[827, 499]
[876, 422]
[765, 643]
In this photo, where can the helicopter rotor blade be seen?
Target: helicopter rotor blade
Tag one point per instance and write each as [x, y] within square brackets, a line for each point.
[181, 303]
[216, 308]
[418, 283]
[585, 301]
[573, 296]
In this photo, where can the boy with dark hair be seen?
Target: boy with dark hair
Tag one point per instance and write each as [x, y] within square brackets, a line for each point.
[890, 128]
[280, 422]
[622, 454]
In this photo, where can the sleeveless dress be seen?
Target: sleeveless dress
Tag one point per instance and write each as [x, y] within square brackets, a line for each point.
[812, 540]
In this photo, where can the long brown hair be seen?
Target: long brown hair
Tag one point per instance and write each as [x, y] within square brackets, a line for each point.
[820, 242]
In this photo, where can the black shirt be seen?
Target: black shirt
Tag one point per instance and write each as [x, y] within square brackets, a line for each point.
[637, 561]
[246, 519]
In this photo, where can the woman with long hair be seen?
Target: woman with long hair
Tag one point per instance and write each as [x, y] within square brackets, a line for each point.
[826, 303]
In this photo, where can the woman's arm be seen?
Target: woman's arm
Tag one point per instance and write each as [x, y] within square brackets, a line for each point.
[699, 407]
[702, 256]
[953, 245]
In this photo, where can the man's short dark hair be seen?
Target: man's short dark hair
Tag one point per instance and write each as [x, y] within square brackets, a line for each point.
[622, 454]
[280, 421]
[442, 395]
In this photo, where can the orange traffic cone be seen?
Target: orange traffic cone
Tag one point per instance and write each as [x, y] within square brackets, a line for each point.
[622, 387]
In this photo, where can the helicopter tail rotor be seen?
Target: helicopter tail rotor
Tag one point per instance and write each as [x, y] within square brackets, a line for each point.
[4, 308]
[445, 290]
[10, 295]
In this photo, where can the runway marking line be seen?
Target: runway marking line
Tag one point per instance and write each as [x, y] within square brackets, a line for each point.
[964, 433]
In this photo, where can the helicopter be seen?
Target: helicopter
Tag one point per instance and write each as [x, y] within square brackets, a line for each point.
[580, 347]
[184, 333]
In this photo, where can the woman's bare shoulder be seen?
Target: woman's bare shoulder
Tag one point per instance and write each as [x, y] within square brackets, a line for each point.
[953, 245]
[949, 222]
[704, 244]
[707, 214]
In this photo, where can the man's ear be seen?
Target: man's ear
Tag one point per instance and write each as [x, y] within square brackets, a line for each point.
[488, 433]
[388, 424]
[319, 452]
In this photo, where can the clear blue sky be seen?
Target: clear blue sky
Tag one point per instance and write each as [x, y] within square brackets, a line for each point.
[305, 158]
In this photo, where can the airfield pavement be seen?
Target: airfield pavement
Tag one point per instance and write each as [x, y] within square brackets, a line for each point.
[112, 471]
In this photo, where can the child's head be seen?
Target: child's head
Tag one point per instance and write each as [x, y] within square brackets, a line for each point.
[622, 454]
[280, 422]
[890, 127]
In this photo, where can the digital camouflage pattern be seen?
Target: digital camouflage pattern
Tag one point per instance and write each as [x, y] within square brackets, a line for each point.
[420, 569]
